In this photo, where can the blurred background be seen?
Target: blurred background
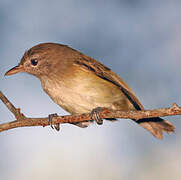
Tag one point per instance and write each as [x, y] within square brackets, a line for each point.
[140, 40]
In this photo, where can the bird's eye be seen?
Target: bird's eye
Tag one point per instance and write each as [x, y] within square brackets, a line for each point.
[34, 62]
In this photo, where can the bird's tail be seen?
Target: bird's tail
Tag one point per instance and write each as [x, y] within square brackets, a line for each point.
[156, 126]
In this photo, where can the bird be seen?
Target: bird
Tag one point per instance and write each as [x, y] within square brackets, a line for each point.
[80, 84]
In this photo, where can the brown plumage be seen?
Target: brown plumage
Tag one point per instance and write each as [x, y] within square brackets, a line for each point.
[78, 83]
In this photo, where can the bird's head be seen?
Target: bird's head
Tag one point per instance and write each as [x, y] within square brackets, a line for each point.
[42, 60]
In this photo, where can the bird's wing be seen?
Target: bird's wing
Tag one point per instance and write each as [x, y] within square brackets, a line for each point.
[107, 74]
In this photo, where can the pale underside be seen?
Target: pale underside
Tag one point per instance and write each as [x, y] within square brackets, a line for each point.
[85, 91]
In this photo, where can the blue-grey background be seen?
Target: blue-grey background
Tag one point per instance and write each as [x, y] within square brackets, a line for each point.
[140, 40]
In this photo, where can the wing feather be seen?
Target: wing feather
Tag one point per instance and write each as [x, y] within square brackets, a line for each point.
[107, 74]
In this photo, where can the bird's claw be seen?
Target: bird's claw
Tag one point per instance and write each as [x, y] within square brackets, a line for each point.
[56, 126]
[95, 115]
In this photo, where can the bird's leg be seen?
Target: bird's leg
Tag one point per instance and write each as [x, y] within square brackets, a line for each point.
[56, 126]
[95, 115]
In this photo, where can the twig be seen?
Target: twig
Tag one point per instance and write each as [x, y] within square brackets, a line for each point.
[10, 106]
[22, 121]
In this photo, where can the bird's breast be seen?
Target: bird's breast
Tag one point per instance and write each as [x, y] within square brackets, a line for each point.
[82, 91]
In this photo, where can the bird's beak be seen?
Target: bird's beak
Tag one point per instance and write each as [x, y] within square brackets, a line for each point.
[15, 70]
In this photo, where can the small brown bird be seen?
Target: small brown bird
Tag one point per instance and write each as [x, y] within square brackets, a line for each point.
[79, 84]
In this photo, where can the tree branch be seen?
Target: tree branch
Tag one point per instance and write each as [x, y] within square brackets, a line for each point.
[23, 121]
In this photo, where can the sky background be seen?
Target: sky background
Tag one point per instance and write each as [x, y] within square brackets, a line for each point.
[140, 41]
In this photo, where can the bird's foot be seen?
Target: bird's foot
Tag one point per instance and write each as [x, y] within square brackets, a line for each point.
[56, 126]
[95, 115]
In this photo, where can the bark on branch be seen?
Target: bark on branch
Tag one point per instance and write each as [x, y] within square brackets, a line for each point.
[23, 121]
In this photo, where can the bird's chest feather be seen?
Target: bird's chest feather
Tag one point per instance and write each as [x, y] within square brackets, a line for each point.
[81, 92]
